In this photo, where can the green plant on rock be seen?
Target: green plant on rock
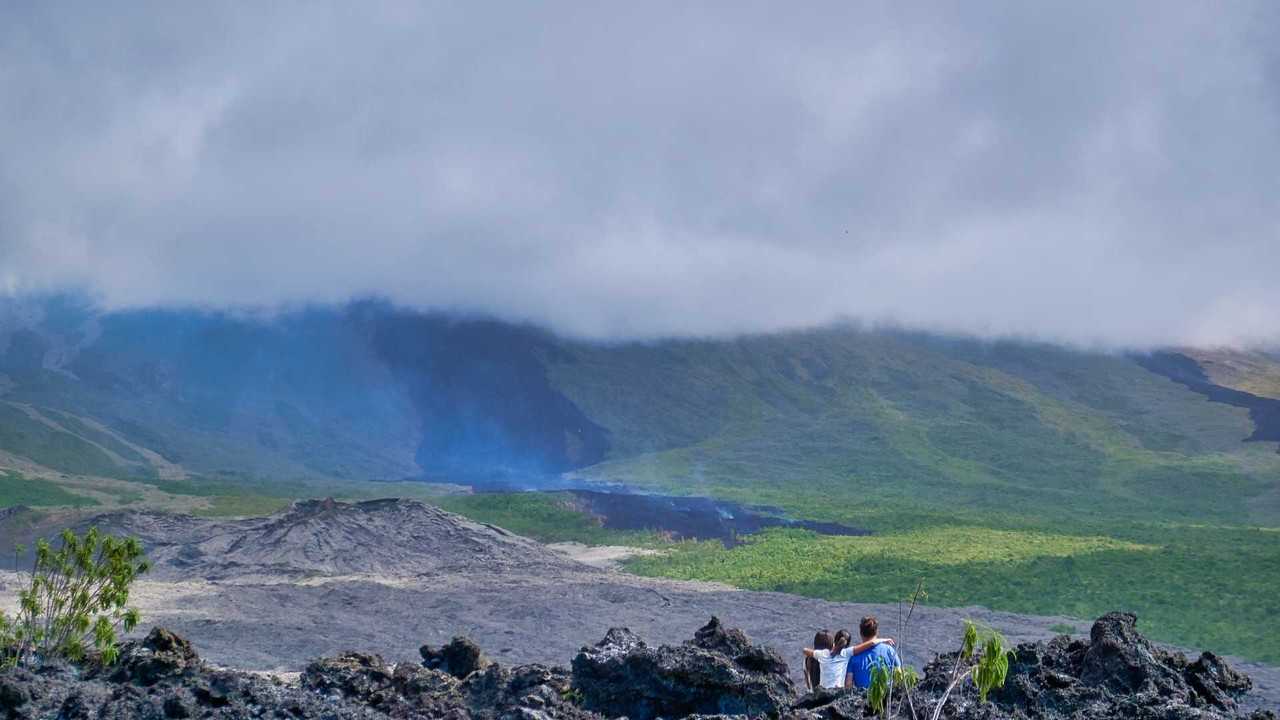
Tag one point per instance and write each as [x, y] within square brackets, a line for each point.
[572, 695]
[983, 659]
[76, 600]
[883, 682]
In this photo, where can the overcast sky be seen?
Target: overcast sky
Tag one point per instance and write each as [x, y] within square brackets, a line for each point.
[1091, 172]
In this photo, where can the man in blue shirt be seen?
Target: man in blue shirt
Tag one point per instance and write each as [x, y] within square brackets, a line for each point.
[881, 653]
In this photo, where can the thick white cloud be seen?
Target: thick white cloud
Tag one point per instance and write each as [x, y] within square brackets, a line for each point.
[1090, 172]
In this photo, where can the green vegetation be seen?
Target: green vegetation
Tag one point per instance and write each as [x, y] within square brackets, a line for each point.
[75, 600]
[550, 517]
[1015, 476]
[242, 505]
[881, 420]
[18, 490]
[51, 447]
[1175, 578]
[75, 425]
[884, 681]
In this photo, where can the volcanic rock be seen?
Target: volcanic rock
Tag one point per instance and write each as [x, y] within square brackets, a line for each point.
[718, 672]
[400, 538]
[359, 676]
[161, 654]
[459, 658]
[1117, 673]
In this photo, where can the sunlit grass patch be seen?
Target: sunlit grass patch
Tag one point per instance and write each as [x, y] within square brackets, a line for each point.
[242, 506]
[545, 517]
[961, 545]
[778, 558]
[15, 489]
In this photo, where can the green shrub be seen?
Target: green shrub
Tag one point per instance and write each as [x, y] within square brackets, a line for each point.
[983, 659]
[76, 600]
[884, 681]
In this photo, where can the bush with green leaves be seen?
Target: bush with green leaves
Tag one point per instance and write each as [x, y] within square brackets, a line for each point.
[884, 681]
[76, 600]
[983, 659]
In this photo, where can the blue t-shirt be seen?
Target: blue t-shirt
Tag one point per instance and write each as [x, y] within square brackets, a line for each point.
[860, 665]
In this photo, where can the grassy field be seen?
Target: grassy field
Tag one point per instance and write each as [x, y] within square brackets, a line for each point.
[18, 490]
[549, 517]
[1205, 588]
[50, 447]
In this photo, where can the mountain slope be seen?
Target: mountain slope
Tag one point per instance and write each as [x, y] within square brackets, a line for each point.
[869, 417]
[371, 392]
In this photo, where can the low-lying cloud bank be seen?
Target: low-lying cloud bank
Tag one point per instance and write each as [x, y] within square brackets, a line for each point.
[1089, 172]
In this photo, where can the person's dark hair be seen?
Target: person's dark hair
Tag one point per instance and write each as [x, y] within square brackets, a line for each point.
[812, 672]
[823, 641]
[812, 669]
[868, 627]
[842, 641]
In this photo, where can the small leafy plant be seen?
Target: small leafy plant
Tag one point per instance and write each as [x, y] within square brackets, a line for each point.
[983, 658]
[883, 682]
[75, 601]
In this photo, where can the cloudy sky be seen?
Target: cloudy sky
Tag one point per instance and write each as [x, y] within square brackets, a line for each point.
[1089, 172]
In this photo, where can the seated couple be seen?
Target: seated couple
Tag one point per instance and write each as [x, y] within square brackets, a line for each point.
[833, 663]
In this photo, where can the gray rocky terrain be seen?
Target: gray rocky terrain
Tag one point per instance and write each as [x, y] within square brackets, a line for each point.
[388, 576]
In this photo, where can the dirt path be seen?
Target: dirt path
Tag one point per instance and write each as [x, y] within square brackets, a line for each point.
[600, 556]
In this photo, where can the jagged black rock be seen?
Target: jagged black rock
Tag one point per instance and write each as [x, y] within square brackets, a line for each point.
[1117, 673]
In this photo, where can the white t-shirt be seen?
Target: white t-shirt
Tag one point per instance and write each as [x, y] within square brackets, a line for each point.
[833, 667]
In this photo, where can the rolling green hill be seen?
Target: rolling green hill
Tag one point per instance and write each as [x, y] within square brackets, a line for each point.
[1020, 476]
[838, 418]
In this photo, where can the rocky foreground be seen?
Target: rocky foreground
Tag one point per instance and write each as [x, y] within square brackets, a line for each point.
[719, 672]
[275, 592]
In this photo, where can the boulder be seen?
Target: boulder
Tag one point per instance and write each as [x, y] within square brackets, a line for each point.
[732, 642]
[459, 658]
[1117, 673]
[622, 676]
[1121, 660]
[1216, 682]
[15, 689]
[824, 704]
[358, 676]
[161, 654]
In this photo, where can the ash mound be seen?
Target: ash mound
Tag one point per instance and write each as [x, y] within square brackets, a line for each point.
[395, 538]
[719, 672]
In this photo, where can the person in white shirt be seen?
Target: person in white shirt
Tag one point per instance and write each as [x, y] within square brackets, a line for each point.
[832, 657]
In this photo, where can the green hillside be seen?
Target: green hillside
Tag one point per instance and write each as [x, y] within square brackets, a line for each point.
[835, 419]
[1022, 477]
